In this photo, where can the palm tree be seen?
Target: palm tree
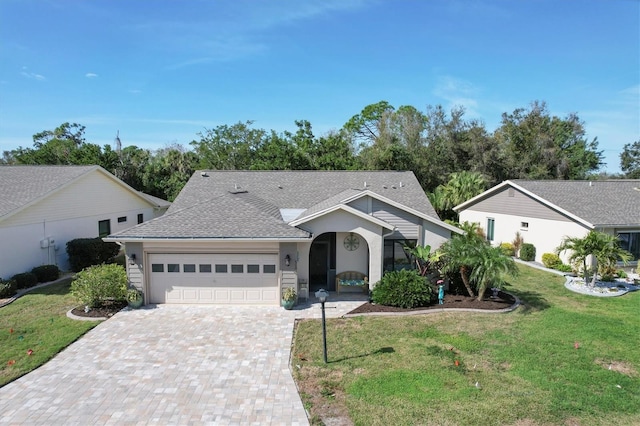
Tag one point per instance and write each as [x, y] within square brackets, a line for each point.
[476, 260]
[461, 187]
[604, 247]
[490, 266]
[459, 253]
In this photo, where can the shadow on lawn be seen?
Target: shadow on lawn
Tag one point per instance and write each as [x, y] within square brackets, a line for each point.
[530, 301]
[386, 350]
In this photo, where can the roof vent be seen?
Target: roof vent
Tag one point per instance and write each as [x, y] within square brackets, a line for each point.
[365, 183]
[590, 183]
[401, 185]
[204, 174]
[236, 186]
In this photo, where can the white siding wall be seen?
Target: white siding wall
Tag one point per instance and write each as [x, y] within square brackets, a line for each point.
[544, 234]
[71, 213]
[135, 270]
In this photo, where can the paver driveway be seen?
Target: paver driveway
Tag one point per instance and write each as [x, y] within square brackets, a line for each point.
[169, 365]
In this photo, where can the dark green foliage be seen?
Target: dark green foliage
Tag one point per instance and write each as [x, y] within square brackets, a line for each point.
[528, 252]
[46, 273]
[25, 280]
[7, 288]
[85, 252]
[551, 260]
[404, 289]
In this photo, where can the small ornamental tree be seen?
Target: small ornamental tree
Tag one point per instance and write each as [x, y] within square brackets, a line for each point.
[98, 284]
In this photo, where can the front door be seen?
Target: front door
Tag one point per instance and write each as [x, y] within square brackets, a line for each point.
[319, 265]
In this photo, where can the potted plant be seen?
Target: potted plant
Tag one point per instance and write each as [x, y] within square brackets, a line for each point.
[134, 298]
[289, 298]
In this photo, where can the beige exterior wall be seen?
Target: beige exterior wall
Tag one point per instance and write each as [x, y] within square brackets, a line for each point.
[544, 234]
[343, 222]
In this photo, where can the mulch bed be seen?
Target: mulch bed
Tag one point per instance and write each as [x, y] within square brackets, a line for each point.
[105, 311]
[451, 301]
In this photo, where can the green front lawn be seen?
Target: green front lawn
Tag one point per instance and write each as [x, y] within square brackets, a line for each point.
[37, 321]
[516, 368]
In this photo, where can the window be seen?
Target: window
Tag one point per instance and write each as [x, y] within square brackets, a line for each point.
[122, 219]
[630, 241]
[173, 267]
[253, 269]
[268, 269]
[188, 267]
[157, 267]
[204, 268]
[395, 256]
[524, 225]
[104, 227]
[140, 218]
[491, 224]
[237, 269]
[221, 269]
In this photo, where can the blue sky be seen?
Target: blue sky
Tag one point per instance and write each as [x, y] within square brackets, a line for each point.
[162, 71]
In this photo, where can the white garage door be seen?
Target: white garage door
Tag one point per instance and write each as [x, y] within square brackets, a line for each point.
[214, 278]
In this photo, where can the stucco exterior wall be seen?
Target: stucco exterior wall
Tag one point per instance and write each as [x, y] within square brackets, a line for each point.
[544, 234]
[434, 235]
[343, 222]
[356, 260]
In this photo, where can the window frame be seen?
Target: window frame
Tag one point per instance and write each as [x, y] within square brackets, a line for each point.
[389, 262]
[491, 228]
[108, 224]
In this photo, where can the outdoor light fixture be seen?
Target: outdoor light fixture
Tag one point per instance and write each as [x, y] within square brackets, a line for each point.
[133, 259]
[287, 260]
[322, 296]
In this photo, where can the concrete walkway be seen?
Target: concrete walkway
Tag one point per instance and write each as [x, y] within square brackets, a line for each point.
[171, 365]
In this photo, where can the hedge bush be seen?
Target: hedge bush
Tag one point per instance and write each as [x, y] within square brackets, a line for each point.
[98, 284]
[562, 267]
[7, 288]
[527, 252]
[551, 260]
[25, 280]
[46, 273]
[85, 252]
[508, 249]
[404, 289]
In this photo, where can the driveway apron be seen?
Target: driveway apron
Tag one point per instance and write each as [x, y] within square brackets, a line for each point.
[169, 365]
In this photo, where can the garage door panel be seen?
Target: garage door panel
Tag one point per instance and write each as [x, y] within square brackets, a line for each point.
[213, 280]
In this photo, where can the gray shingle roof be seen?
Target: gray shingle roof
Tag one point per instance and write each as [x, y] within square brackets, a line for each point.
[601, 203]
[246, 204]
[21, 185]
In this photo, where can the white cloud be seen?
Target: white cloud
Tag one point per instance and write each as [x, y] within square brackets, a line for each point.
[91, 75]
[458, 92]
[33, 76]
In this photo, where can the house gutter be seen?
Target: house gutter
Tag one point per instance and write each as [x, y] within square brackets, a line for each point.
[230, 239]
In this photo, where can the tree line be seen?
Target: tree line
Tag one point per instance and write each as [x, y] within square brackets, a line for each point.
[452, 156]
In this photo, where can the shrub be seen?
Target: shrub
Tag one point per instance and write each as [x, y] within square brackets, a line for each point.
[404, 289]
[46, 273]
[95, 285]
[7, 288]
[621, 273]
[563, 267]
[25, 280]
[508, 249]
[85, 252]
[527, 252]
[551, 260]
[517, 243]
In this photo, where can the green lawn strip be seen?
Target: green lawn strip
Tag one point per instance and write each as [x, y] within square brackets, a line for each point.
[401, 370]
[37, 321]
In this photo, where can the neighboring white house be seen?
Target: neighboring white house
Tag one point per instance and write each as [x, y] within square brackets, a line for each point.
[239, 237]
[545, 211]
[44, 207]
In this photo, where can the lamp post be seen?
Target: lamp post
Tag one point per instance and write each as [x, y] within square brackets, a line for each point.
[323, 295]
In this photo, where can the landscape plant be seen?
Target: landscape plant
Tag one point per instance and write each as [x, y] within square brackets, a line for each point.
[508, 249]
[517, 243]
[528, 252]
[99, 284]
[46, 273]
[404, 288]
[85, 252]
[25, 280]
[7, 288]
[551, 260]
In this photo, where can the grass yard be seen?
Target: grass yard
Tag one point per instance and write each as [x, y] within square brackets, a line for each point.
[528, 371]
[37, 321]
